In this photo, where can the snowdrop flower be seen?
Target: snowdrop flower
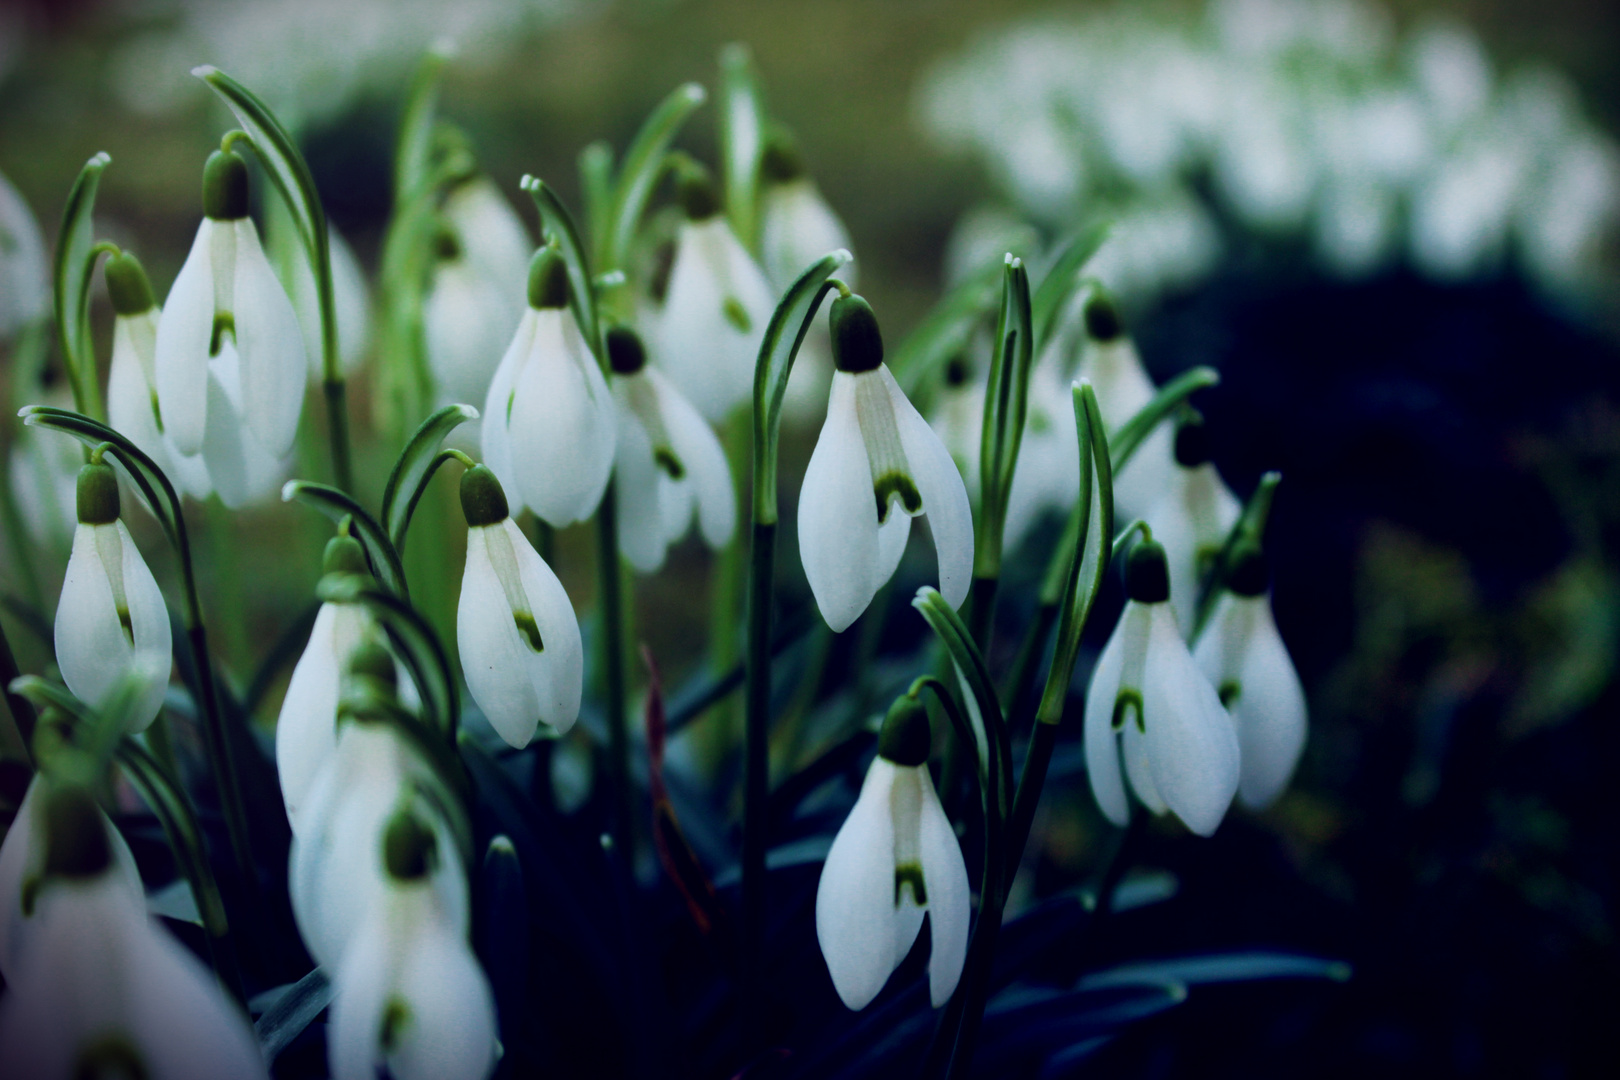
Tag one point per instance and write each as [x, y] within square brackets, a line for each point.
[227, 297]
[1109, 359]
[476, 298]
[668, 463]
[42, 470]
[895, 859]
[549, 420]
[1149, 704]
[875, 454]
[22, 872]
[350, 301]
[306, 729]
[796, 228]
[111, 621]
[132, 400]
[24, 288]
[99, 989]
[1192, 517]
[716, 307]
[410, 997]
[337, 876]
[516, 630]
[1244, 657]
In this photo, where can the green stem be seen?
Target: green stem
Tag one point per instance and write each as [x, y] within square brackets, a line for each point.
[1037, 758]
[337, 408]
[612, 599]
[756, 779]
[22, 713]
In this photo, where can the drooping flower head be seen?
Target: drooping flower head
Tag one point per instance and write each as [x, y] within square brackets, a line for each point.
[25, 291]
[1109, 359]
[549, 422]
[111, 621]
[516, 630]
[1243, 655]
[894, 860]
[876, 465]
[1191, 518]
[716, 306]
[227, 300]
[669, 466]
[1149, 704]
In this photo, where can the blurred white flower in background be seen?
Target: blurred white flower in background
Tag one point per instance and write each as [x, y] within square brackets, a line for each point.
[1306, 119]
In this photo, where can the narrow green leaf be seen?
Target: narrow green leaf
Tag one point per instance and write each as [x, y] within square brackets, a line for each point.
[1221, 968]
[742, 138]
[1063, 280]
[1006, 406]
[336, 505]
[777, 351]
[413, 155]
[75, 263]
[557, 226]
[596, 187]
[1133, 432]
[643, 165]
[1250, 526]
[415, 466]
[947, 328]
[413, 639]
[294, 1010]
[140, 469]
[990, 725]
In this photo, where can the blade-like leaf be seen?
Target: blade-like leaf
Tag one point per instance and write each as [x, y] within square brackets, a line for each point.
[1064, 279]
[412, 157]
[946, 329]
[154, 487]
[337, 505]
[413, 639]
[1006, 405]
[988, 723]
[777, 351]
[1250, 526]
[1133, 432]
[643, 165]
[742, 138]
[414, 468]
[1221, 968]
[596, 188]
[75, 262]
[557, 225]
[294, 1010]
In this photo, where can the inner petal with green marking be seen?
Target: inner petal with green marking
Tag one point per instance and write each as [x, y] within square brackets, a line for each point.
[224, 323]
[504, 560]
[910, 874]
[641, 395]
[1230, 691]
[891, 472]
[1126, 701]
[736, 314]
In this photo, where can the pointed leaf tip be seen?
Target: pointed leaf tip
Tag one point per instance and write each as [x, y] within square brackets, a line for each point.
[695, 93]
[289, 490]
[205, 71]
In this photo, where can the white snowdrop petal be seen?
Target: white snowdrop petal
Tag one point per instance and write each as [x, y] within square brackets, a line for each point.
[149, 621]
[92, 648]
[635, 491]
[702, 349]
[1102, 754]
[562, 424]
[466, 326]
[945, 501]
[364, 980]
[132, 408]
[494, 656]
[838, 528]
[945, 874]
[1269, 710]
[306, 729]
[1191, 744]
[707, 472]
[494, 422]
[855, 896]
[270, 345]
[797, 227]
[450, 1034]
[184, 333]
[1134, 749]
[558, 673]
[241, 469]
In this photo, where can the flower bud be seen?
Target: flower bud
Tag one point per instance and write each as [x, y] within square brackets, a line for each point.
[410, 850]
[857, 344]
[906, 737]
[781, 162]
[626, 354]
[1147, 574]
[482, 500]
[127, 285]
[697, 195]
[75, 839]
[344, 555]
[1102, 318]
[225, 186]
[548, 279]
[1192, 442]
[98, 495]
[1250, 575]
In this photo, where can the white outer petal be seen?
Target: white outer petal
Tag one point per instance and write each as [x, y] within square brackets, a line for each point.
[306, 728]
[492, 235]
[559, 674]
[635, 490]
[270, 343]
[838, 527]
[1192, 745]
[1102, 753]
[149, 619]
[495, 442]
[22, 855]
[946, 879]
[563, 423]
[494, 657]
[1241, 644]
[945, 501]
[131, 409]
[183, 337]
[241, 469]
[466, 326]
[1194, 515]
[707, 471]
[708, 357]
[855, 912]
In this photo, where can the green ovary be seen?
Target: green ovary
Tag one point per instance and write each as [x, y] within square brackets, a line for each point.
[892, 484]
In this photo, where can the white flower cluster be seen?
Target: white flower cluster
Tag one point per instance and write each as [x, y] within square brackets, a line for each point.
[1313, 118]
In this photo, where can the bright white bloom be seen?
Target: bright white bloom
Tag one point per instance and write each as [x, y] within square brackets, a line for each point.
[409, 994]
[111, 621]
[668, 463]
[24, 288]
[476, 297]
[549, 422]
[22, 869]
[716, 308]
[1192, 517]
[338, 877]
[227, 296]
[306, 729]
[1109, 359]
[875, 453]
[351, 302]
[515, 628]
[796, 228]
[1244, 657]
[895, 859]
[132, 400]
[1149, 704]
[98, 989]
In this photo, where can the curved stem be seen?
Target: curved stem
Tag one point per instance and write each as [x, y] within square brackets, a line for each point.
[756, 761]
[612, 600]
